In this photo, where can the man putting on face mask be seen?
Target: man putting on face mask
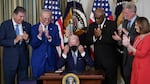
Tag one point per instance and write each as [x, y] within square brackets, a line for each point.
[74, 56]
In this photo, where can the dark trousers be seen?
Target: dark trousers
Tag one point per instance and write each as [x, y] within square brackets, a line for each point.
[110, 73]
[127, 69]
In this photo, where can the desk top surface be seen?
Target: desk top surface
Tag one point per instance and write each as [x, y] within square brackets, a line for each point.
[85, 75]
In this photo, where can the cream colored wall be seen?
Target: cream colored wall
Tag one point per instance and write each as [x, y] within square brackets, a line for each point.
[143, 8]
[87, 6]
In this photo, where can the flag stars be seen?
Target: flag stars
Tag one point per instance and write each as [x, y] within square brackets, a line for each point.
[56, 8]
[94, 4]
[59, 13]
[46, 1]
[102, 4]
[106, 14]
[53, 6]
[56, 12]
[56, 3]
[94, 9]
[50, 2]
[45, 6]
[106, 9]
[49, 7]
[53, 12]
[106, 4]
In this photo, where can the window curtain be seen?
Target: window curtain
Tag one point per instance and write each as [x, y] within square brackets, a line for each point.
[33, 8]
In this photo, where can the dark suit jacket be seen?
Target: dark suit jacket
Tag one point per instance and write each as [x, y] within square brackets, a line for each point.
[44, 53]
[13, 54]
[104, 49]
[75, 68]
[132, 34]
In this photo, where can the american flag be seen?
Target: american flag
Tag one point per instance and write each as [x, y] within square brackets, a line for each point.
[101, 4]
[57, 19]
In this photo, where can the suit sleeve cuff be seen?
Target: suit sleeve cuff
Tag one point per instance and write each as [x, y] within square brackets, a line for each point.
[94, 39]
[64, 56]
[40, 38]
[100, 37]
[83, 54]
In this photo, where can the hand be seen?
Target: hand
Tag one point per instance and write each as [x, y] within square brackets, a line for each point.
[126, 41]
[66, 49]
[40, 30]
[25, 35]
[81, 49]
[125, 31]
[67, 33]
[97, 32]
[119, 31]
[18, 38]
[116, 37]
[47, 34]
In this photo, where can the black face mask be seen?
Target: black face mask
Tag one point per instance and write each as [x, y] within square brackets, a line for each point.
[74, 48]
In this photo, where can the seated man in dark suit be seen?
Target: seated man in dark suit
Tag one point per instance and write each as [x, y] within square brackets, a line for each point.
[74, 56]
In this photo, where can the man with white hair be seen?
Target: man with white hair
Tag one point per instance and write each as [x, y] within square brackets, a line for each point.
[74, 56]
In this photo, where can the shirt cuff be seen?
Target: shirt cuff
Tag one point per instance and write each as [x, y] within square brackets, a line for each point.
[94, 39]
[65, 39]
[100, 37]
[64, 56]
[40, 38]
[83, 54]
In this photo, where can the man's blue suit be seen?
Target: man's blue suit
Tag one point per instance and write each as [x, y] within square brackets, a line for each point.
[79, 67]
[44, 53]
[15, 56]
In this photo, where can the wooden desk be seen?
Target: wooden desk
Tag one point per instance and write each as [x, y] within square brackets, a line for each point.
[85, 78]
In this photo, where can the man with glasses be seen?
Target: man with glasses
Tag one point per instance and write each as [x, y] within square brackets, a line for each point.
[100, 34]
[44, 39]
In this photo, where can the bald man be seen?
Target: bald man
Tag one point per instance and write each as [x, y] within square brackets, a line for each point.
[74, 56]
[100, 34]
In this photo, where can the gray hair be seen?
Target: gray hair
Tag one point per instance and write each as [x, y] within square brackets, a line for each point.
[45, 10]
[131, 6]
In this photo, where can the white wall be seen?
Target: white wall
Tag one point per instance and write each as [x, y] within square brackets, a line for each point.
[142, 7]
[87, 6]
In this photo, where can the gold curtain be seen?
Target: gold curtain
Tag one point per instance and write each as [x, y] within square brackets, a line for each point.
[6, 9]
[32, 7]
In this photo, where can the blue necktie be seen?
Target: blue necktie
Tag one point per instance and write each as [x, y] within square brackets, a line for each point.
[74, 57]
[128, 25]
[17, 30]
